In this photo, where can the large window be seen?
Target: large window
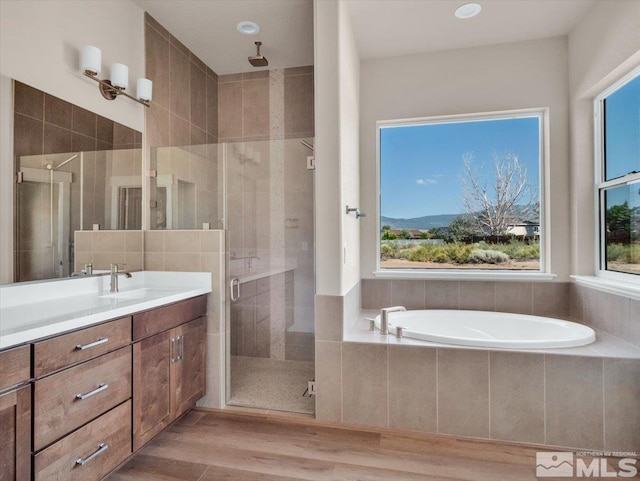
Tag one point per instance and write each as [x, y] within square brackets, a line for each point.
[617, 114]
[461, 192]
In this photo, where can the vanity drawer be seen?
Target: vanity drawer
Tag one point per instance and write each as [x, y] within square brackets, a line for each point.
[103, 383]
[68, 349]
[158, 320]
[108, 438]
[15, 366]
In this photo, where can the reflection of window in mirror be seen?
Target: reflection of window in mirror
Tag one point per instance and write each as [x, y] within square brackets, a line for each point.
[160, 218]
[129, 208]
[75, 169]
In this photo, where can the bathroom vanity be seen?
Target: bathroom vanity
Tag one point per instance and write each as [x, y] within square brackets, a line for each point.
[75, 403]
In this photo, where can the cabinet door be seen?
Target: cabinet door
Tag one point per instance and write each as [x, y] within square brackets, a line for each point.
[152, 387]
[15, 435]
[189, 371]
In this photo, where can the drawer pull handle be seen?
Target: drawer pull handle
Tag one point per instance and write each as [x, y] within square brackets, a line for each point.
[100, 388]
[102, 447]
[102, 340]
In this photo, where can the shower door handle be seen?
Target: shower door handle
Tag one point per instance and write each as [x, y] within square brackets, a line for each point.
[234, 287]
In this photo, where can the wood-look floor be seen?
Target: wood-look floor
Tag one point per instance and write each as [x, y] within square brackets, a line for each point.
[212, 446]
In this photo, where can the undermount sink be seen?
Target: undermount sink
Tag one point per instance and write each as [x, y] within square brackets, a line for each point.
[134, 294]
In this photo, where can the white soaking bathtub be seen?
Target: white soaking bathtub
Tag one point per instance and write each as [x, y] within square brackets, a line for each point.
[490, 329]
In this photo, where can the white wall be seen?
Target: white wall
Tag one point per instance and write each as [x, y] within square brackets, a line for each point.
[336, 149]
[327, 148]
[603, 47]
[40, 41]
[349, 99]
[530, 74]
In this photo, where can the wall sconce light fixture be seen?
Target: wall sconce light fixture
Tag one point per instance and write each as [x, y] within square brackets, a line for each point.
[91, 64]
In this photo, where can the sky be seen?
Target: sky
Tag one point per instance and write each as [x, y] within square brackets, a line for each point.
[421, 164]
[622, 142]
[622, 130]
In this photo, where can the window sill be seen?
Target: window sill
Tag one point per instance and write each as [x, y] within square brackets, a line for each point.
[464, 276]
[608, 285]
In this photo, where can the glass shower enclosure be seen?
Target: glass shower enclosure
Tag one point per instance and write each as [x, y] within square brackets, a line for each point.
[268, 206]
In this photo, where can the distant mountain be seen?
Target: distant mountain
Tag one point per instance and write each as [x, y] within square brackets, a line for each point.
[421, 223]
[430, 221]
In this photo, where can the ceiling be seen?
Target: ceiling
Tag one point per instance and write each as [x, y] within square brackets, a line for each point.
[386, 28]
[208, 29]
[382, 28]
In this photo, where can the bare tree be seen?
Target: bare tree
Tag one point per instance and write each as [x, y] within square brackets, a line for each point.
[498, 201]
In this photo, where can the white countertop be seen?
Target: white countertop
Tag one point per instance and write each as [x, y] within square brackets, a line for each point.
[33, 310]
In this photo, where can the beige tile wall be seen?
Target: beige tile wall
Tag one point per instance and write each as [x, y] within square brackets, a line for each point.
[103, 248]
[182, 127]
[245, 112]
[617, 315]
[570, 401]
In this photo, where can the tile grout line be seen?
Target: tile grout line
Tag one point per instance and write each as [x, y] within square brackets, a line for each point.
[604, 432]
[388, 386]
[341, 385]
[489, 389]
[544, 395]
[437, 392]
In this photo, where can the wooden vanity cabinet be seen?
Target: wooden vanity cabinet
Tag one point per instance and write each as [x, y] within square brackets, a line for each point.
[189, 371]
[168, 366]
[97, 391]
[82, 402]
[15, 414]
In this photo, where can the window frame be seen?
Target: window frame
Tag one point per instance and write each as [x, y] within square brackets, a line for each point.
[600, 183]
[544, 272]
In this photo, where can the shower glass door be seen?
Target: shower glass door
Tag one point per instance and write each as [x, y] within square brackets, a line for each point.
[270, 258]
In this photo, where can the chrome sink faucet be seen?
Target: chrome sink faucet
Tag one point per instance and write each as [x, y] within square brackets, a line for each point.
[384, 317]
[114, 277]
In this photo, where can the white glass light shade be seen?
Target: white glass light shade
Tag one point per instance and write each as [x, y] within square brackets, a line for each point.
[119, 75]
[144, 89]
[91, 59]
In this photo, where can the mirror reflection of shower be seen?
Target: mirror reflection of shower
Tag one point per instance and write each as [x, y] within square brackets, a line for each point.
[59, 194]
[58, 248]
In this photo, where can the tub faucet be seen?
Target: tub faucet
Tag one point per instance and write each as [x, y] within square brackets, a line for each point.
[384, 317]
[114, 277]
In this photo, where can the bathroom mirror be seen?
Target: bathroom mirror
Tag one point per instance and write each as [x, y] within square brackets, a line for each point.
[75, 171]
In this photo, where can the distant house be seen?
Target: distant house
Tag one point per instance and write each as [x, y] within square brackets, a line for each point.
[441, 232]
[525, 228]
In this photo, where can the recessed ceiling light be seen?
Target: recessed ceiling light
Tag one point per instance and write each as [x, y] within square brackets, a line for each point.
[248, 28]
[468, 10]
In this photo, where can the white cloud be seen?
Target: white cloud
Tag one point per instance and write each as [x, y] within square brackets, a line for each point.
[426, 181]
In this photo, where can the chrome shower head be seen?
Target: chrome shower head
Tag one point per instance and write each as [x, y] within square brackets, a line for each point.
[258, 60]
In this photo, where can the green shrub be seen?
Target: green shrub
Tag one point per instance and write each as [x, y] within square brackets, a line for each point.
[629, 254]
[418, 254]
[388, 250]
[481, 256]
[459, 253]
